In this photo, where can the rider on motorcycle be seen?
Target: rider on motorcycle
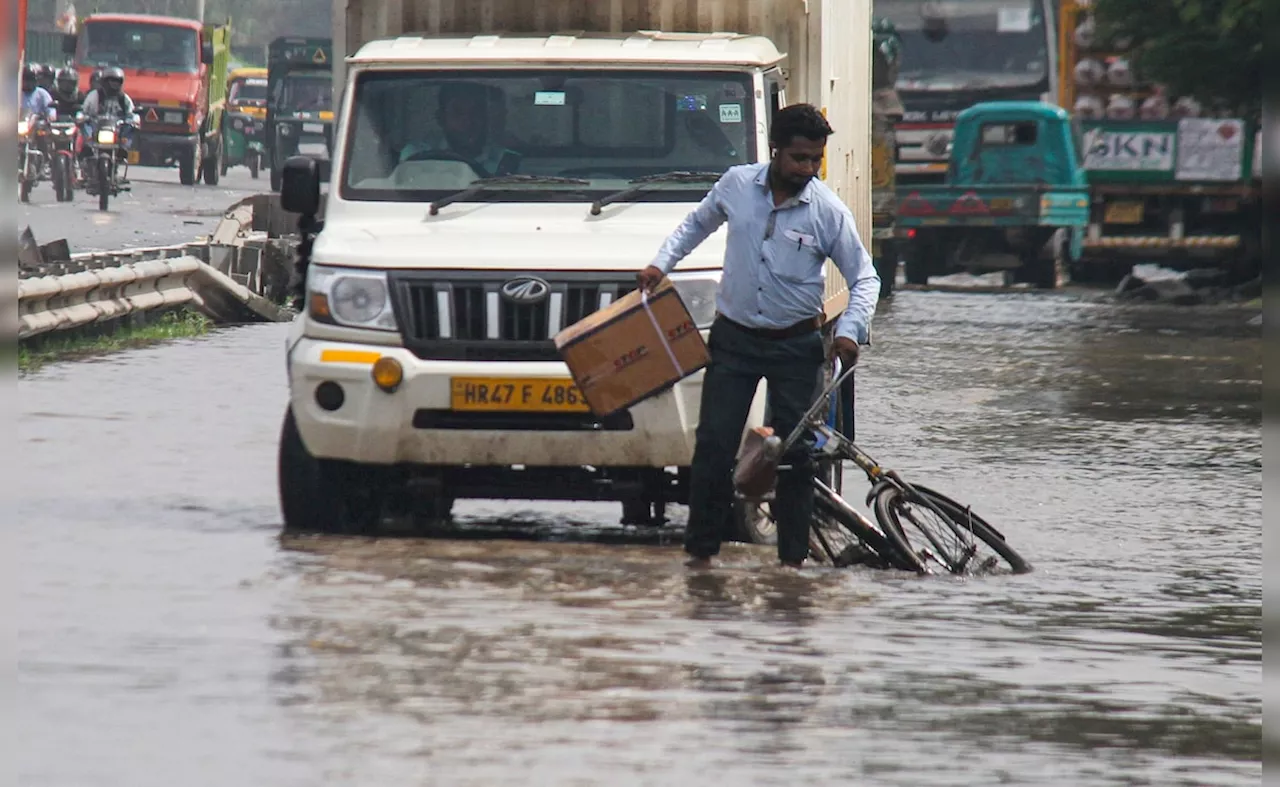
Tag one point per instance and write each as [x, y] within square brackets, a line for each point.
[35, 99]
[45, 76]
[66, 93]
[37, 104]
[110, 100]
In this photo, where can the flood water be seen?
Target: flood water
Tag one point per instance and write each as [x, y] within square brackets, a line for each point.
[167, 636]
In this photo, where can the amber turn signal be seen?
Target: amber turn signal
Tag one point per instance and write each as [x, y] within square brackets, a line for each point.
[388, 374]
[320, 306]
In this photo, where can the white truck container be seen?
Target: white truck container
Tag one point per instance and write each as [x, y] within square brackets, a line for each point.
[422, 370]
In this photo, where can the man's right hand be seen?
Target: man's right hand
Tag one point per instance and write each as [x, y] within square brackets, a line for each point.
[650, 277]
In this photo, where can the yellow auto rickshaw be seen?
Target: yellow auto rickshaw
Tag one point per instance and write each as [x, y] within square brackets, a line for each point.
[244, 140]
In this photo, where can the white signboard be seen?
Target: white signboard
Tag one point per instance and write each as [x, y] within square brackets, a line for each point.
[1128, 151]
[1210, 149]
[1014, 20]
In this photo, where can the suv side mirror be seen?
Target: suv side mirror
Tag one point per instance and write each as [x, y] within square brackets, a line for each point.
[69, 44]
[300, 186]
[206, 52]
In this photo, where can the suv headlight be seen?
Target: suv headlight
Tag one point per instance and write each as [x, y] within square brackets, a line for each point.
[351, 297]
[698, 291]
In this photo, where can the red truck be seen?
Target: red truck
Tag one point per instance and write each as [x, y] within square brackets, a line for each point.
[175, 72]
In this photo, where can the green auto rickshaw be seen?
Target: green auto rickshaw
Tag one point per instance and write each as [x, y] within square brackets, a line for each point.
[244, 122]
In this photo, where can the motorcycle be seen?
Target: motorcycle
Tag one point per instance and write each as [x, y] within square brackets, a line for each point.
[103, 176]
[31, 157]
[62, 164]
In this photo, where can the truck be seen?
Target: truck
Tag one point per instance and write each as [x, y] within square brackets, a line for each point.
[176, 73]
[957, 53]
[424, 286]
[1168, 184]
[1014, 182]
[299, 101]
[21, 21]
[886, 113]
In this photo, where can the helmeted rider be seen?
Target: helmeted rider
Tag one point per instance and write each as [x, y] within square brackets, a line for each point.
[35, 99]
[111, 101]
[66, 93]
[45, 76]
[37, 103]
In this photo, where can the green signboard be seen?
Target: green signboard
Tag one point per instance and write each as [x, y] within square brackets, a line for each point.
[317, 52]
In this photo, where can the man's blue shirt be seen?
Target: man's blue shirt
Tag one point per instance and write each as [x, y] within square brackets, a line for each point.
[775, 255]
[37, 102]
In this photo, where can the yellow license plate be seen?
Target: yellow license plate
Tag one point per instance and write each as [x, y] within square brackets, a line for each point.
[134, 157]
[505, 394]
[1123, 213]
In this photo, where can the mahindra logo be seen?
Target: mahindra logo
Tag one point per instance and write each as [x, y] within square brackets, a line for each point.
[526, 290]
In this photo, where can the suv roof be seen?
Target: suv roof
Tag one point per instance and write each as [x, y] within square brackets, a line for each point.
[642, 47]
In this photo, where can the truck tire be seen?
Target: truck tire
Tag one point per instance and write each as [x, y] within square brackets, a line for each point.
[915, 263]
[187, 161]
[323, 495]
[887, 267]
[1041, 270]
[212, 163]
[275, 179]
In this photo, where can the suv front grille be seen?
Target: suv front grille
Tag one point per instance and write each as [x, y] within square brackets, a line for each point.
[465, 316]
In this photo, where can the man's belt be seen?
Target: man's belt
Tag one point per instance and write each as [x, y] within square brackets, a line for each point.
[791, 331]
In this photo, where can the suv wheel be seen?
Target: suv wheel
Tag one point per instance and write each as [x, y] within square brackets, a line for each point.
[325, 495]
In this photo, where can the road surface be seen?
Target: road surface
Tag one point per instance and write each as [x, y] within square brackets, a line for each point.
[166, 635]
[159, 211]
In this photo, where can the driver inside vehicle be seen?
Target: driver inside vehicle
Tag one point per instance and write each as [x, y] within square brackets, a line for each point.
[464, 118]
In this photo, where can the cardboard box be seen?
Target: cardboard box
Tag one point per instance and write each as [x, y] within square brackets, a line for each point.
[626, 353]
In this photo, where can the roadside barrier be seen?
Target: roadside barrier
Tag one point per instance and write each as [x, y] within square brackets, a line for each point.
[240, 274]
[242, 284]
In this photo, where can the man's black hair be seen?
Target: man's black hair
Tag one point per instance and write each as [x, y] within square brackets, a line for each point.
[798, 120]
[461, 91]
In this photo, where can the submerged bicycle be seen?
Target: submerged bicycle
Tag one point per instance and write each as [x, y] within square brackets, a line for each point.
[919, 530]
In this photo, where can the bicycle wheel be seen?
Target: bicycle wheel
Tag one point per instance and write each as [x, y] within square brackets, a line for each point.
[871, 546]
[938, 530]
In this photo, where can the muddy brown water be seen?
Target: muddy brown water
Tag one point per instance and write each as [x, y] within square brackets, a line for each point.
[167, 636]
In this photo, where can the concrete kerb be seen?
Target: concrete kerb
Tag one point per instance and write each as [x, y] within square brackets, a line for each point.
[225, 277]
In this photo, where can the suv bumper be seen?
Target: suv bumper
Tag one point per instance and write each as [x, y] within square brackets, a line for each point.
[415, 424]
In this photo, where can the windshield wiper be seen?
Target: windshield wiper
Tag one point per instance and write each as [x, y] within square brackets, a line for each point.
[641, 184]
[487, 184]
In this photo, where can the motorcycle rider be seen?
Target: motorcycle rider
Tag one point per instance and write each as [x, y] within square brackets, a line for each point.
[37, 103]
[45, 75]
[66, 93]
[35, 99]
[110, 100]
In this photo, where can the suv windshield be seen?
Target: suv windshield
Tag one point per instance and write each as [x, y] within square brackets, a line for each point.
[422, 135]
[968, 44]
[142, 46]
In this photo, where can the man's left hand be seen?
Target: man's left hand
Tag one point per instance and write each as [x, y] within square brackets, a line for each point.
[846, 350]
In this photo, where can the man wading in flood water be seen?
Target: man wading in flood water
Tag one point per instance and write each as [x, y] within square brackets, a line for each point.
[783, 225]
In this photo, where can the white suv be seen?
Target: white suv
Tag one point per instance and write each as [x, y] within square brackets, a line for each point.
[461, 234]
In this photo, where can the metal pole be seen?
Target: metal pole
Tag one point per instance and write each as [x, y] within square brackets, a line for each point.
[200, 10]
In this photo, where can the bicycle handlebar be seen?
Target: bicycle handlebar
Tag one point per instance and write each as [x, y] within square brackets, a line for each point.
[819, 404]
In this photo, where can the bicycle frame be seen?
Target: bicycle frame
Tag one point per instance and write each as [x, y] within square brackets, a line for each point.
[837, 446]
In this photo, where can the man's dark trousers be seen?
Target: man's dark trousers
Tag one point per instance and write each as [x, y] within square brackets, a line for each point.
[738, 360]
